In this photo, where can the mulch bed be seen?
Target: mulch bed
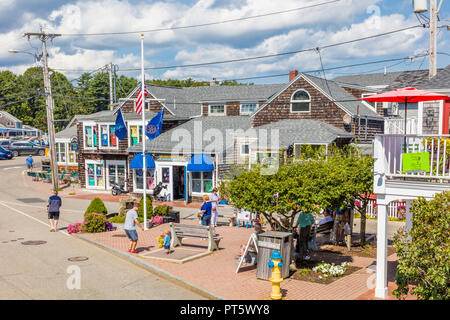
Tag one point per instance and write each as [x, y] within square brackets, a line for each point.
[369, 251]
[305, 273]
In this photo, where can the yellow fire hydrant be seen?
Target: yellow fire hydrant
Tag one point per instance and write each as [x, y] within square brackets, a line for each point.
[275, 264]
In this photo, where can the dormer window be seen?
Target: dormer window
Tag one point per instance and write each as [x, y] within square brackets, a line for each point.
[301, 101]
[217, 109]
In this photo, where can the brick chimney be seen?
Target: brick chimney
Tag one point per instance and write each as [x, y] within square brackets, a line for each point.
[292, 75]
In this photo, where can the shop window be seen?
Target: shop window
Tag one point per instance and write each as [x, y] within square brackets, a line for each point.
[202, 182]
[139, 178]
[95, 175]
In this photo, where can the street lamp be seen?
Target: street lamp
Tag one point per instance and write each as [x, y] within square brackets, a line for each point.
[37, 57]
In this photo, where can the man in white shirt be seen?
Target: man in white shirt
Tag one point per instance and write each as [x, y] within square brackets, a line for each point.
[214, 198]
[129, 227]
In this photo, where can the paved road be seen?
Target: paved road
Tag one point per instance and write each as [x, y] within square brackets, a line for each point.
[44, 271]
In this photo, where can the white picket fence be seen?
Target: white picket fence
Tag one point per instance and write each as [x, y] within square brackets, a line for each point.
[392, 209]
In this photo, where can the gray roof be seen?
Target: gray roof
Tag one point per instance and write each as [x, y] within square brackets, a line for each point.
[369, 80]
[185, 139]
[305, 131]
[187, 101]
[415, 79]
[67, 133]
[440, 81]
[342, 97]
[110, 116]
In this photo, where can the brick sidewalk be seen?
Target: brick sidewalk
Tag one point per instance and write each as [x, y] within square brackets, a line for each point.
[216, 272]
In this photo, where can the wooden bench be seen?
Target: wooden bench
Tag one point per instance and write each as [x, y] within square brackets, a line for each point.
[321, 228]
[180, 231]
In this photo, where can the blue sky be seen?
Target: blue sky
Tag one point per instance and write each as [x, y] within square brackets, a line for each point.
[330, 23]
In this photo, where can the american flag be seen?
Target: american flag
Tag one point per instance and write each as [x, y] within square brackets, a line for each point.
[140, 101]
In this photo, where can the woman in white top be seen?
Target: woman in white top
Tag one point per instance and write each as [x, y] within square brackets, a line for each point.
[214, 198]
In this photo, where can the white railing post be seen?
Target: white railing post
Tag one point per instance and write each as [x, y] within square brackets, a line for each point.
[381, 289]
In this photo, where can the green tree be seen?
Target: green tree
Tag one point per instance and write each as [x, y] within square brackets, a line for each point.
[424, 253]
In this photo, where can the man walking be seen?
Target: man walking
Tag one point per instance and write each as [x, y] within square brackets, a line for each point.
[54, 203]
[29, 162]
[131, 221]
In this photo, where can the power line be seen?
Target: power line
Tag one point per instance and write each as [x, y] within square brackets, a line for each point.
[256, 57]
[198, 25]
[19, 101]
[272, 55]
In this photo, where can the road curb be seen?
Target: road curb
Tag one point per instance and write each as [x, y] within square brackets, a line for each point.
[155, 270]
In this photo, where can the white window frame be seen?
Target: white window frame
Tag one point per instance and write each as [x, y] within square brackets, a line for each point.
[240, 149]
[64, 151]
[363, 95]
[89, 124]
[136, 189]
[116, 162]
[301, 101]
[217, 114]
[95, 162]
[131, 124]
[108, 124]
[246, 103]
[201, 175]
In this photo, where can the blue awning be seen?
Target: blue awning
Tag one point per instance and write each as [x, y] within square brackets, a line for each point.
[137, 162]
[200, 162]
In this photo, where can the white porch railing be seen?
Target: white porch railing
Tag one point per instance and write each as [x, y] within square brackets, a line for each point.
[392, 209]
[397, 126]
[432, 162]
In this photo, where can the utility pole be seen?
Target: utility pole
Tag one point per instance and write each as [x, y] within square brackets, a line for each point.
[49, 102]
[433, 36]
[111, 97]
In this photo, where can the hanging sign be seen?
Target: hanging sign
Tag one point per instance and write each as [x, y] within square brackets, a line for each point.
[74, 144]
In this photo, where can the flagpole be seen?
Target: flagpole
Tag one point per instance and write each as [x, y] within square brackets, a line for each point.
[144, 170]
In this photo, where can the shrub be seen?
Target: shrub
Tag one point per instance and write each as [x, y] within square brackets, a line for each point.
[75, 228]
[163, 210]
[424, 253]
[94, 222]
[149, 207]
[96, 206]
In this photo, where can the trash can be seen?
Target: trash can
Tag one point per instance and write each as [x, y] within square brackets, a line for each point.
[268, 242]
[175, 215]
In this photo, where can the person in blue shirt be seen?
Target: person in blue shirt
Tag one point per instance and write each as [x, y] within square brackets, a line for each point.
[206, 210]
[304, 222]
[29, 162]
[54, 203]
[167, 241]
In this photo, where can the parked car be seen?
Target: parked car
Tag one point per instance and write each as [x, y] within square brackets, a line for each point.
[5, 144]
[5, 154]
[21, 148]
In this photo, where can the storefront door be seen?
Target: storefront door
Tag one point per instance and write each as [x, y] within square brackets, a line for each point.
[116, 173]
[165, 176]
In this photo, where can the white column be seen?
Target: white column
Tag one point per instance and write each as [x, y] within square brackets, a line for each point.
[408, 218]
[382, 226]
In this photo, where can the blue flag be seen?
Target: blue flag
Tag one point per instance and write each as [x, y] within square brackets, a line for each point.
[121, 128]
[154, 126]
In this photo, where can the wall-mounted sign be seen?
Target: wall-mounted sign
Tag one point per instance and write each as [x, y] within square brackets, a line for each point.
[419, 161]
[171, 158]
[74, 144]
